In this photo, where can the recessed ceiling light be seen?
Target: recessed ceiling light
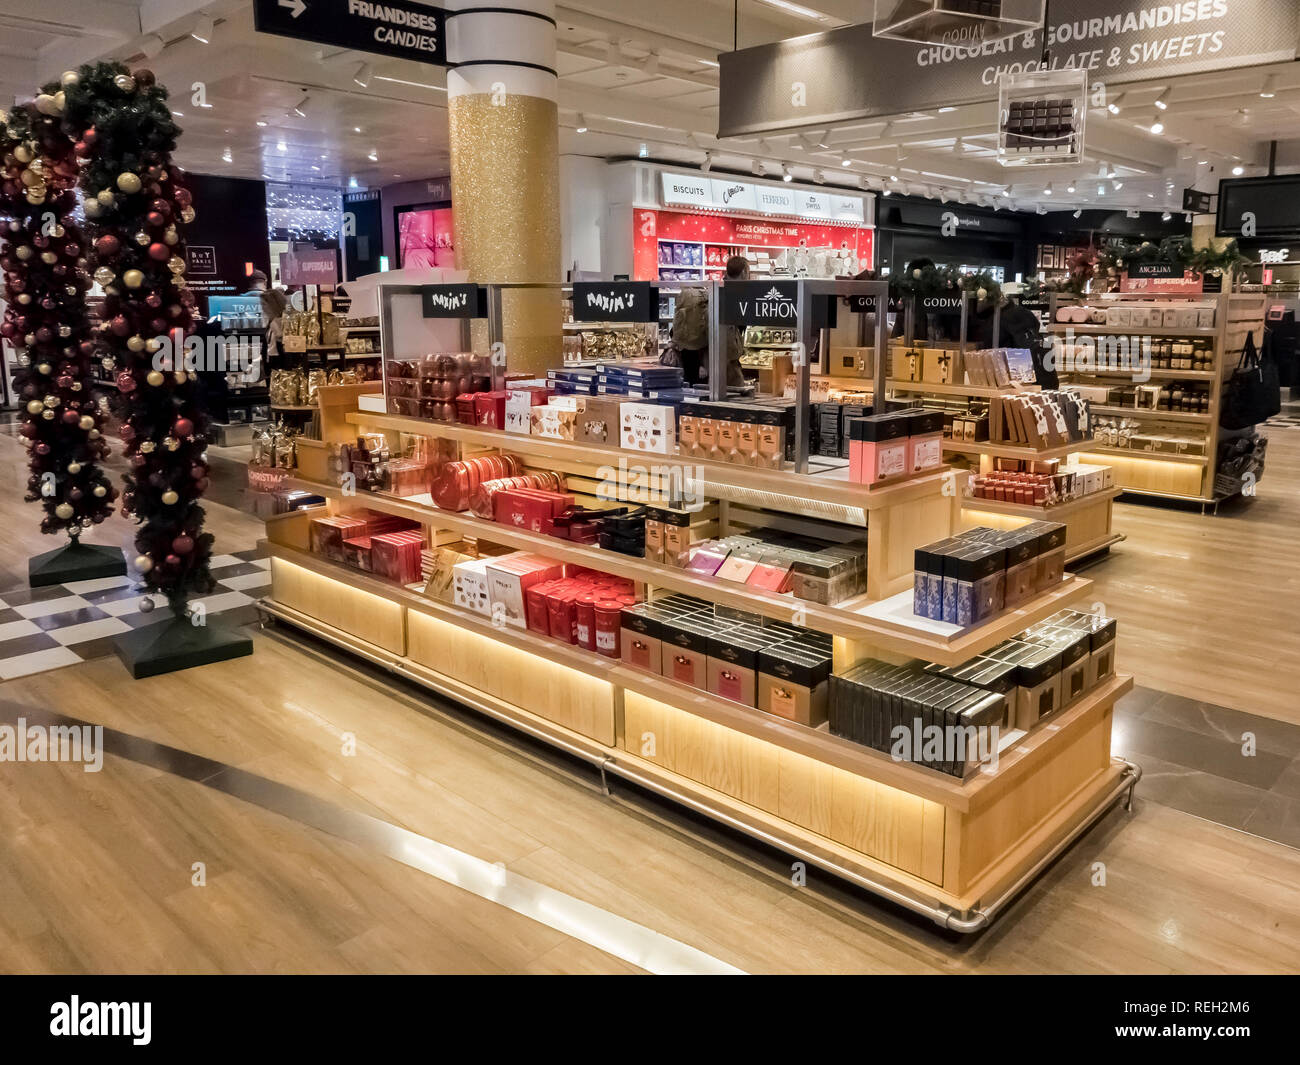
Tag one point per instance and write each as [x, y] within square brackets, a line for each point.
[1270, 87]
[202, 31]
[356, 129]
[363, 75]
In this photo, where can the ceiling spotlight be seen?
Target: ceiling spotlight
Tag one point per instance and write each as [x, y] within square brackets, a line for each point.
[1238, 170]
[1157, 126]
[1113, 106]
[819, 176]
[280, 146]
[363, 75]
[1117, 185]
[756, 168]
[1078, 212]
[1187, 217]
[227, 157]
[1048, 191]
[261, 124]
[202, 31]
[356, 129]
[300, 109]
[1165, 217]
[887, 191]
[1162, 101]
[846, 162]
[582, 123]
[152, 45]
[707, 165]
[1270, 87]
[1070, 188]
[785, 174]
[1041, 209]
[373, 156]
[352, 182]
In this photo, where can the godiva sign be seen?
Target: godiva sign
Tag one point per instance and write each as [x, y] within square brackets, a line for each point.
[849, 74]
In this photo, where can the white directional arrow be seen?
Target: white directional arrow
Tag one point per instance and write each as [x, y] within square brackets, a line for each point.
[296, 7]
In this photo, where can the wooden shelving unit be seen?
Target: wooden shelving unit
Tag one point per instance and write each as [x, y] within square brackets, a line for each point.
[952, 849]
[1180, 477]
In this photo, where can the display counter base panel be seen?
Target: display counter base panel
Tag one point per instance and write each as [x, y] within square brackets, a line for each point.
[176, 644]
[1087, 520]
[75, 562]
[955, 851]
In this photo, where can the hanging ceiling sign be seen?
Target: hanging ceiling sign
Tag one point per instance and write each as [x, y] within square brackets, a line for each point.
[721, 194]
[400, 28]
[849, 73]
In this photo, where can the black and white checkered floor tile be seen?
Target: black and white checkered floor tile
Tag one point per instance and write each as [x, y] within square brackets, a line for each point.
[63, 624]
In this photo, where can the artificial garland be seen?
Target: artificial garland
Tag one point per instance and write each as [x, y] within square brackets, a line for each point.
[928, 281]
[45, 319]
[136, 205]
[1107, 262]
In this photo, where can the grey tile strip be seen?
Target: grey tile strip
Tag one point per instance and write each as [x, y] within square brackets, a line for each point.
[624, 939]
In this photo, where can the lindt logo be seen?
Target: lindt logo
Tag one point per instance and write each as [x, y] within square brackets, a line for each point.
[449, 301]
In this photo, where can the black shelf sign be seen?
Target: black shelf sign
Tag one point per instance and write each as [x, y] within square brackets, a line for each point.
[454, 301]
[615, 301]
[774, 303]
[397, 28]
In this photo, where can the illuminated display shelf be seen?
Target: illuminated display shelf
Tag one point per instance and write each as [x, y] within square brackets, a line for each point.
[957, 851]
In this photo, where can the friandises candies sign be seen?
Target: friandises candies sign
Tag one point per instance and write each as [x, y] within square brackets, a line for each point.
[398, 28]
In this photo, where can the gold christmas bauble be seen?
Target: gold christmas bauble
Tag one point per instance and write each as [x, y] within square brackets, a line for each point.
[99, 491]
[143, 563]
[70, 78]
[74, 468]
[129, 183]
[155, 377]
[176, 264]
[105, 197]
[170, 498]
[104, 276]
[136, 343]
[87, 422]
[35, 406]
[125, 82]
[133, 279]
[64, 511]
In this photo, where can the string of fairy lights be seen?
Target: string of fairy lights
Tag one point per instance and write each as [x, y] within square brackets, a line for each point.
[301, 212]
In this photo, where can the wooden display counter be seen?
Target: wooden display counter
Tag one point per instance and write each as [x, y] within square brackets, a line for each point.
[955, 850]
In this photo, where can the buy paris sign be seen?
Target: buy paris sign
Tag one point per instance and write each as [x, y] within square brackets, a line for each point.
[398, 28]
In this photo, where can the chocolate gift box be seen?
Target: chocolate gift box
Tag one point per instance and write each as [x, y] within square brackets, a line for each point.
[647, 427]
[792, 683]
[396, 555]
[508, 579]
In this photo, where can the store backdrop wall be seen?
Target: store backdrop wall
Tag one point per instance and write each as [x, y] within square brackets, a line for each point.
[227, 240]
[429, 193]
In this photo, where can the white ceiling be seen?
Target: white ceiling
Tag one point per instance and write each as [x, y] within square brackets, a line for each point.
[633, 74]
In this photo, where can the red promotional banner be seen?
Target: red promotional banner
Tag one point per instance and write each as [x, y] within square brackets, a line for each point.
[722, 233]
[1187, 285]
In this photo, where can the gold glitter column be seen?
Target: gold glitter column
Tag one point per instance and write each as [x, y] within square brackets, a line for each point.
[501, 93]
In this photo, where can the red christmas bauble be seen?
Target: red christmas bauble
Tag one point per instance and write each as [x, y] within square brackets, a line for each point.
[159, 252]
[42, 449]
[125, 382]
[182, 545]
[172, 560]
[155, 218]
[120, 326]
[90, 136]
[107, 246]
[183, 427]
[71, 417]
[153, 300]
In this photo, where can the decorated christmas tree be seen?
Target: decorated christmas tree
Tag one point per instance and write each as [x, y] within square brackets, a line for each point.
[136, 208]
[45, 319]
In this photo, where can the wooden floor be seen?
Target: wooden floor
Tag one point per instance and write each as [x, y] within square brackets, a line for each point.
[95, 869]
